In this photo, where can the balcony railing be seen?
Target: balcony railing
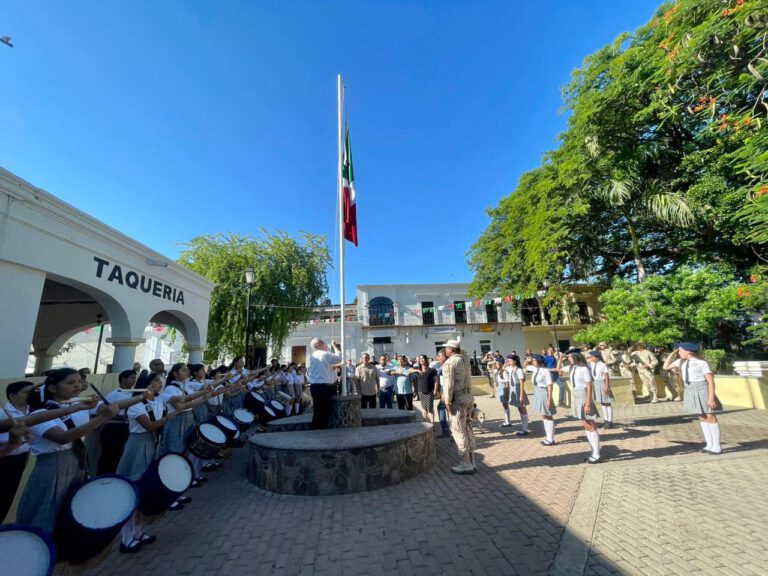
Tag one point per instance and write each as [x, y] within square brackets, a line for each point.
[445, 317]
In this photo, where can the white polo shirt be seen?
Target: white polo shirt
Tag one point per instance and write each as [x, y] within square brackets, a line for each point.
[692, 370]
[320, 369]
[39, 445]
[580, 376]
[542, 378]
[6, 412]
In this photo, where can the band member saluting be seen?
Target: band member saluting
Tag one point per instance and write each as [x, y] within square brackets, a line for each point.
[700, 398]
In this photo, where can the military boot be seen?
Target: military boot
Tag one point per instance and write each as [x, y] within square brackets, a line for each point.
[465, 467]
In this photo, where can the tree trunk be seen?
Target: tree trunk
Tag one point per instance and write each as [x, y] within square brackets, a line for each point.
[636, 252]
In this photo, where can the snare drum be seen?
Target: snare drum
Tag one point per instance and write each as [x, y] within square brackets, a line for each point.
[243, 418]
[254, 401]
[94, 515]
[226, 425]
[280, 408]
[206, 440]
[284, 398]
[165, 480]
[267, 414]
[26, 551]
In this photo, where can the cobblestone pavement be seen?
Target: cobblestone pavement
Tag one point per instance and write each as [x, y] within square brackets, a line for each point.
[652, 508]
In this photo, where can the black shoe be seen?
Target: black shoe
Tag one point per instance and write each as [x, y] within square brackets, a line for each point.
[196, 483]
[608, 425]
[592, 460]
[176, 506]
[522, 433]
[147, 539]
[201, 479]
[132, 548]
[209, 467]
[548, 443]
[184, 499]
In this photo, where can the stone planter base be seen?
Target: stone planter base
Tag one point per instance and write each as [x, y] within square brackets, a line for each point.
[368, 417]
[340, 461]
[346, 412]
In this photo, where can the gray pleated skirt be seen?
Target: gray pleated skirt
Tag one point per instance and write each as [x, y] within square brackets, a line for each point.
[600, 394]
[232, 404]
[176, 432]
[140, 451]
[579, 400]
[540, 403]
[696, 397]
[51, 480]
[202, 413]
[516, 392]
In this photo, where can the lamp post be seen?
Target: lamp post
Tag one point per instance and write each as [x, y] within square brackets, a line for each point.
[249, 283]
[99, 318]
[541, 294]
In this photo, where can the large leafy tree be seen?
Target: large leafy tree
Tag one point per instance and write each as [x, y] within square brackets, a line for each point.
[289, 280]
[664, 161]
[704, 304]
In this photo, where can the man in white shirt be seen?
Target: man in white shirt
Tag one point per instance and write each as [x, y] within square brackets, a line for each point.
[386, 373]
[322, 380]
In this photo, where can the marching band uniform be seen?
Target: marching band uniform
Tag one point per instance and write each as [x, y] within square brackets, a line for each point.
[581, 383]
[543, 398]
[515, 379]
[114, 434]
[57, 469]
[601, 387]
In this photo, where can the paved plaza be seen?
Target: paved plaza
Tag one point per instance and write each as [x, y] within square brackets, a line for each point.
[655, 506]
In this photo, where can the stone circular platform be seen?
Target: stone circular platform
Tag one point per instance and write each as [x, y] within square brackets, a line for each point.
[370, 417]
[341, 460]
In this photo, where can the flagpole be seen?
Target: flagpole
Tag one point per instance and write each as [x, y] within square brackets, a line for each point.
[341, 241]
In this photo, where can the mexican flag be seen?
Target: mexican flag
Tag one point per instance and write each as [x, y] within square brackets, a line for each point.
[348, 188]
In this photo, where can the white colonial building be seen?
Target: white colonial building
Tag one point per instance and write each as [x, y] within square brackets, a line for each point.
[414, 319]
[62, 272]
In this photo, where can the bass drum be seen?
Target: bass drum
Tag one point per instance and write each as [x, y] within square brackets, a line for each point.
[165, 480]
[205, 441]
[226, 425]
[254, 402]
[26, 551]
[94, 515]
[243, 418]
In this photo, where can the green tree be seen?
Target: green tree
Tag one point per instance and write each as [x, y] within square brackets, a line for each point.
[289, 281]
[664, 161]
[699, 304]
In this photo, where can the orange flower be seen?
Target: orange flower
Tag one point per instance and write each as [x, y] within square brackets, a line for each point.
[669, 13]
[723, 122]
[743, 292]
[762, 191]
[754, 278]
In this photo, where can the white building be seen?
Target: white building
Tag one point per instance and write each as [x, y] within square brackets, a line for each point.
[414, 319]
[62, 271]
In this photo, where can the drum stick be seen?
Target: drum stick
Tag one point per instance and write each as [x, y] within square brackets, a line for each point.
[100, 394]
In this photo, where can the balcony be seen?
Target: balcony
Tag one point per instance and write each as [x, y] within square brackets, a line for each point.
[442, 318]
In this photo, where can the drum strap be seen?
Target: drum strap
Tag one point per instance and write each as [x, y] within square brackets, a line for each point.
[150, 411]
[78, 446]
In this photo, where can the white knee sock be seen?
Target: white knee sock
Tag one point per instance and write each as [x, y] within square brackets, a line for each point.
[506, 415]
[608, 410]
[715, 431]
[524, 422]
[126, 536]
[549, 429]
[707, 433]
[594, 442]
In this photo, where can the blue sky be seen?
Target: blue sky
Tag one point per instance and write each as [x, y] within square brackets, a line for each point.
[169, 120]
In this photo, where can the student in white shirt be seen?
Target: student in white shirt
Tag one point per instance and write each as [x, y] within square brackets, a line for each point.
[543, 400]
[699, 398]
[144, 421]
[57, 468]
[514, 378]
[601, 380]
[583, 401]
[179, 397]
[114, 434]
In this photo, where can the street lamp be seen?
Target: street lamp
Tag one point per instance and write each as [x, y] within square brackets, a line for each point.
[541, 294]
[249, 283]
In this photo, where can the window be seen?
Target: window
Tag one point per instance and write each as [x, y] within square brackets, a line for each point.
[460, 312]
[584, 316]
[427, 313]
[439, 346]
[485, 346]
[381, 312]
[530, 312]
[491, 313]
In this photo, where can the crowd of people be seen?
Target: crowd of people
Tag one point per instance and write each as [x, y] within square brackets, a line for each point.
[156, 412]
[150, 414]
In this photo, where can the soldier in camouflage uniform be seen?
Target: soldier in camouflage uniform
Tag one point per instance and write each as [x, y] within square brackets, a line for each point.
[459, 403]
[646, 362]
